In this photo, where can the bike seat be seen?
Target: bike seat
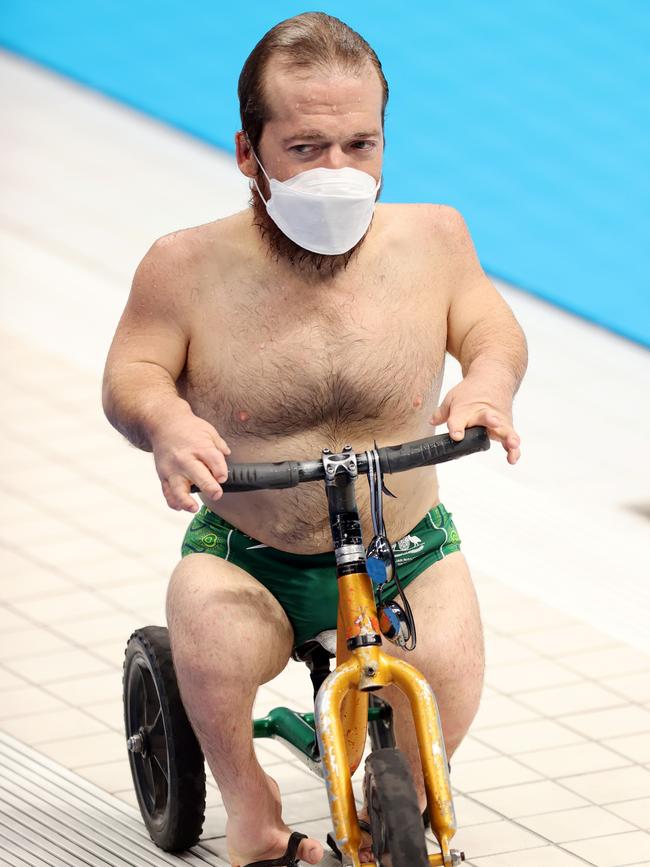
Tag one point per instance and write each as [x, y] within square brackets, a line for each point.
[325, 640]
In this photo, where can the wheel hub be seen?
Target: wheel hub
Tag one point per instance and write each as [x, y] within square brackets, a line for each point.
[138, 743]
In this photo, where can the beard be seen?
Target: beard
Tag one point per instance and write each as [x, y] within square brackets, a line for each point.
[283, 249]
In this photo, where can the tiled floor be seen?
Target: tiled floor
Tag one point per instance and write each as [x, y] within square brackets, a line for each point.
[556, 769]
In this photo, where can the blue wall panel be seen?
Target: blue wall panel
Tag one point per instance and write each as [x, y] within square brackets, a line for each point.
[531, 117]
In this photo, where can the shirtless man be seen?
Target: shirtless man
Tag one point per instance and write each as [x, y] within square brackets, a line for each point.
[242, 339]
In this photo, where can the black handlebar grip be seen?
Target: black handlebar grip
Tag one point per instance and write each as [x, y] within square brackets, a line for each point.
[432, 450]
[252, 477]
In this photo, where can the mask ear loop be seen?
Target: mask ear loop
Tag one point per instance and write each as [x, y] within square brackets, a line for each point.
[266, 201]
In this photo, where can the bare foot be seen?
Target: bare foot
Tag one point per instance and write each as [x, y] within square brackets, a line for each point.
[263, 834]
[365, 849]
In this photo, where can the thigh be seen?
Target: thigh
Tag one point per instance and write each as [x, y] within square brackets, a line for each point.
[218, 613]
[449, 651]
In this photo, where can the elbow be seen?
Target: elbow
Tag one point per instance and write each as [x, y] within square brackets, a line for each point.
[108, 401]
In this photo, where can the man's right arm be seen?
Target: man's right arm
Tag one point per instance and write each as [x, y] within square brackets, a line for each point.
[139, 394]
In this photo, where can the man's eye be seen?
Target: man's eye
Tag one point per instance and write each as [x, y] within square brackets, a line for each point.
[302, 148]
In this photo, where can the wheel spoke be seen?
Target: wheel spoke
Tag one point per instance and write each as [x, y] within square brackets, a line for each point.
[149, 790]
[160, 784]
[157, 728]
[141, 695]
[163, 766]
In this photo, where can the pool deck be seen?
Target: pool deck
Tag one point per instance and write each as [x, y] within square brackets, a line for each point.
[556, 769]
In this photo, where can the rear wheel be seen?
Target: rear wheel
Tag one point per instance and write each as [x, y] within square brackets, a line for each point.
[395, 819]
[166, 760]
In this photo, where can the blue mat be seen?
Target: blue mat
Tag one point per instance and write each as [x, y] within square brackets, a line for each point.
[530, 117]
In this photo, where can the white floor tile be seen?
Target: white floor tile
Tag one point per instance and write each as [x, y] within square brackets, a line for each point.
[606, 787]
[112, 776]
[529, 799]
[580, 758]
[530, 674]
[10, 620]
[601, 724]
[547, 856]
[472, 777]
[576, 824]
[32, 641]
[88, 750]
[38, 728]
[636, 811]
[635, 687]
[614, 850]
[27, 700]
[560, 640]
[493, 838]
[498, 710]
[574, 698]
[526, 736]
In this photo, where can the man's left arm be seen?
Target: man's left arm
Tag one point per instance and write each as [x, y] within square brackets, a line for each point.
[484, 336]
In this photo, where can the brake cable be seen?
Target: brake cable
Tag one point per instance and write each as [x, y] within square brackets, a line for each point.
[381, 544]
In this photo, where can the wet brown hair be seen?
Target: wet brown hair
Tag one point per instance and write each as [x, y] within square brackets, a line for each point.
[307, 41]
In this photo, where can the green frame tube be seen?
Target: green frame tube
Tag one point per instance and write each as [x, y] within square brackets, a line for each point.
[298, 728]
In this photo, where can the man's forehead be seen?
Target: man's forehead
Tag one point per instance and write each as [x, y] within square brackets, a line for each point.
[292, 93]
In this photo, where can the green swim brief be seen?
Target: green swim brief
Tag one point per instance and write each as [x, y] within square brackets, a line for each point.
[306, 585]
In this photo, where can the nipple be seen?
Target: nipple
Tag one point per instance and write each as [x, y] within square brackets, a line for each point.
[242, 415]
[417, 402]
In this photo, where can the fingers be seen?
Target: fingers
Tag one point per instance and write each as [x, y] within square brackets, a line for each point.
[498, 426]
[220, 443]
[441, 415]
[176, 490]
[215, 462]
[177, 487]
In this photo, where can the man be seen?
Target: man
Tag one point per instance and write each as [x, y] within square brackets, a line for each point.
[311, 319]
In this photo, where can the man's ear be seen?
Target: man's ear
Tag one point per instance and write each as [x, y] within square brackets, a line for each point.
[244, 154]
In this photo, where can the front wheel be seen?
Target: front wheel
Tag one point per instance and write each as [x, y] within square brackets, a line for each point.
[395, 818]
[166, 760]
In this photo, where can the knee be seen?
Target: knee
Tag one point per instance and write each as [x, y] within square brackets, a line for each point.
[221, 620]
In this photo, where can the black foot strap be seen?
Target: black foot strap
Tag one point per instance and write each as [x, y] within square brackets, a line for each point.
[288, 859]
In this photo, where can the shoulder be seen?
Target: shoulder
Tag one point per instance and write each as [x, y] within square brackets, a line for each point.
[436, 240]
[436, 224]
[191, 246]
[181, 259]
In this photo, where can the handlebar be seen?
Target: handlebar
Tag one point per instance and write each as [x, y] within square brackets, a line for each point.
[393, 459]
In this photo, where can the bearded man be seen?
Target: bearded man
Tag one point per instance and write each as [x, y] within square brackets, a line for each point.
[313, 318]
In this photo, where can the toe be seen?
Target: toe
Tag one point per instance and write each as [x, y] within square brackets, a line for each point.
[310, 850]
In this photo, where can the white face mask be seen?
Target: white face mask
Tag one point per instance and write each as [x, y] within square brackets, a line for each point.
[326, 211]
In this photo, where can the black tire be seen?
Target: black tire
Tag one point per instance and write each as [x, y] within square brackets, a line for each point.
[395, 819]
[169, 771]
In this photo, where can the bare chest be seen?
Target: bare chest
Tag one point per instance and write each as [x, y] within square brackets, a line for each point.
[273, 364]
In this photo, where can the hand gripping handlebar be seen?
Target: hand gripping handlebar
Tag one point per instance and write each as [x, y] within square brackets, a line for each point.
[394, 459]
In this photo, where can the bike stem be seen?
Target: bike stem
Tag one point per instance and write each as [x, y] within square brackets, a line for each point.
[360, 621]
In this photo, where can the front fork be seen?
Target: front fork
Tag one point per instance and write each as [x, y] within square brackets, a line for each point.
[340, 713]
[370, 668]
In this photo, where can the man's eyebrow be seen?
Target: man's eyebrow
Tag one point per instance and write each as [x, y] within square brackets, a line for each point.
[316, 135]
